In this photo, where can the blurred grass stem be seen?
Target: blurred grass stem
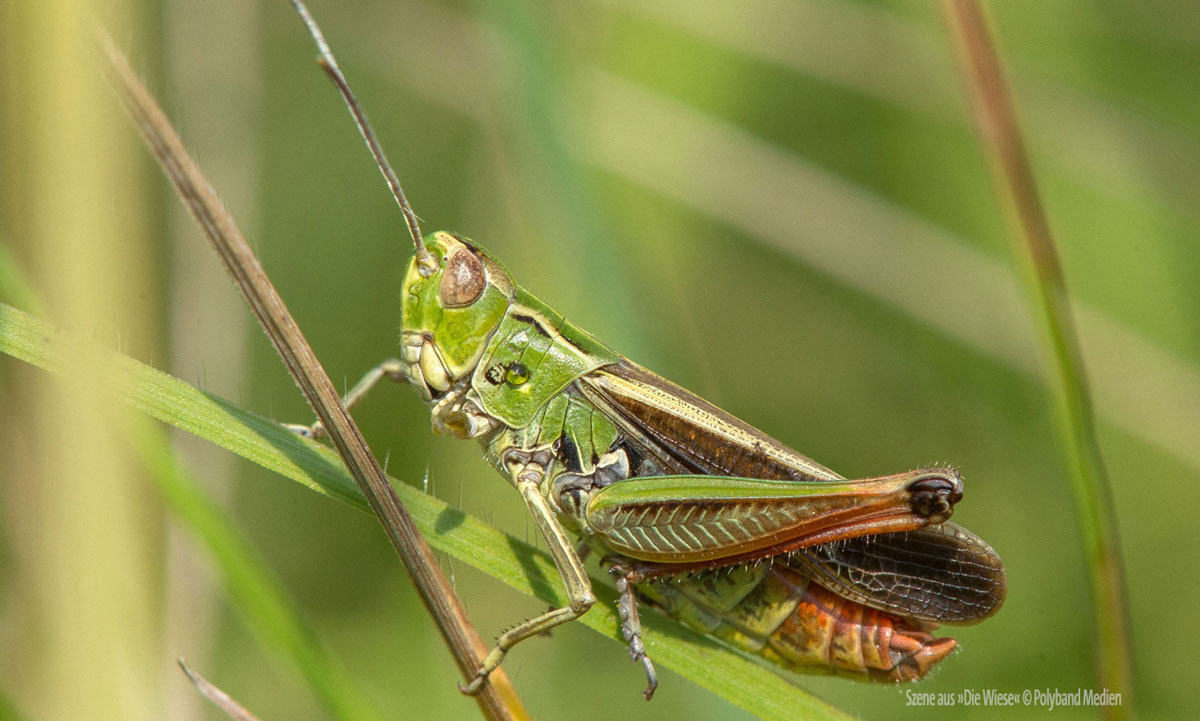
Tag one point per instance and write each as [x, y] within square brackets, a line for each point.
[1014, 181]
[220, 699]
[497, 700]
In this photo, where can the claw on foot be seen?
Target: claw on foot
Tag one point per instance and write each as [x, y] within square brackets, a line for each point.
[473, 688]
[313, 432]
[304, 431]
[651, 678]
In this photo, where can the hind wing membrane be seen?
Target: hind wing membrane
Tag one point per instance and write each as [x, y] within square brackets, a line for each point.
[940, 574]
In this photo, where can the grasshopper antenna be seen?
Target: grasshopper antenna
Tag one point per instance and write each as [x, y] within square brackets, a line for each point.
[426, 263]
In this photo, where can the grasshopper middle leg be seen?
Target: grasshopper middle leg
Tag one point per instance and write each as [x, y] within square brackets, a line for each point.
[631, 624]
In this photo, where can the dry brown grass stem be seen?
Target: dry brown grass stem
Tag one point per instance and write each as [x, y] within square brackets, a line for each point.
[498, 699]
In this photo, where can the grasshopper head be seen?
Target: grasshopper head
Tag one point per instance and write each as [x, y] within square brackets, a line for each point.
[453, 302]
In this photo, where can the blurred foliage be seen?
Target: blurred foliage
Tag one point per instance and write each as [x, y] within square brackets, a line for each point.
[781, 205]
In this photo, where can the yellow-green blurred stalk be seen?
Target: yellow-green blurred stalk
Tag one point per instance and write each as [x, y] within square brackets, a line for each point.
[84, 641]
[1018, 192]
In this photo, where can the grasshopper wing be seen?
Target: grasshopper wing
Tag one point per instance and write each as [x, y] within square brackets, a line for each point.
[942, 574]
[687, 433]
[938, 573]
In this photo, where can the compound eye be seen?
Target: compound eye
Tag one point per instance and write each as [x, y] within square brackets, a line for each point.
[463, 279]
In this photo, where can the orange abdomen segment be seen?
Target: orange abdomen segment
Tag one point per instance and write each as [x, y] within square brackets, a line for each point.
[779, 613]
[826, 630]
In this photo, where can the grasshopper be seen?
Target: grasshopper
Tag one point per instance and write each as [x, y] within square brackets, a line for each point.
[717, 524]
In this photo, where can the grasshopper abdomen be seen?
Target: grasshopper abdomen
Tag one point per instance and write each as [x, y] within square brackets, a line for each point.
[779, 613]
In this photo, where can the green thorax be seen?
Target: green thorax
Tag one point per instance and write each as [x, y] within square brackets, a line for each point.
[531, 358]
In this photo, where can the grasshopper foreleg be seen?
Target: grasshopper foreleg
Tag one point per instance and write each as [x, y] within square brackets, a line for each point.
[391, 368]
[631, 624]
[527, 477]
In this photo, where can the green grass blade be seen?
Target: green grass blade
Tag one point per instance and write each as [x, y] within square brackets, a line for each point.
[252, 588]
[516, 563]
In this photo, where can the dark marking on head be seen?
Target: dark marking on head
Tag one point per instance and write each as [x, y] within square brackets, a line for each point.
[469, 243]
[531, 321]
[494, 374]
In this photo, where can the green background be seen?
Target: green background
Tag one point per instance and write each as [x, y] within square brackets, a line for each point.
[782, 206]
